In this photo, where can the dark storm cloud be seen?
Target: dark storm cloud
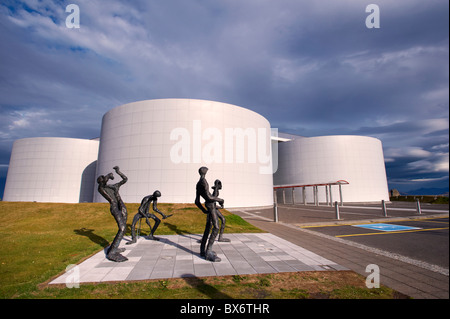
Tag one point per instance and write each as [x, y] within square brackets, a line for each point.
[310, 67]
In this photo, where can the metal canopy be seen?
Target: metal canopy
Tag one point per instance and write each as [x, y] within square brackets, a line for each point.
[329, 197]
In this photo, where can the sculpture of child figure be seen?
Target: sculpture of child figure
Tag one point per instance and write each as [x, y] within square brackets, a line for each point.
[218, 186]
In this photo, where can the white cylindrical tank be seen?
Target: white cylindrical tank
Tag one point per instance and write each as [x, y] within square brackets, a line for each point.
[52, 169]
[358, 160]
[161, 144]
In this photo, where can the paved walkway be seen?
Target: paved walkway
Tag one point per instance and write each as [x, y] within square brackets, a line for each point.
[401, 274]
[285, 248]
[176, 256]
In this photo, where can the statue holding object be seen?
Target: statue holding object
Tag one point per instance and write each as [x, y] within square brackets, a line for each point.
[143, 213]
[117, 208]
[202, 190]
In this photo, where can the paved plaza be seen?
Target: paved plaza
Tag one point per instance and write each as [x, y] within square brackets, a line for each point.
[176, 256]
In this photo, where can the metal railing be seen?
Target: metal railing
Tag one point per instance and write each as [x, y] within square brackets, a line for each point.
[329, 200]
[315, 189]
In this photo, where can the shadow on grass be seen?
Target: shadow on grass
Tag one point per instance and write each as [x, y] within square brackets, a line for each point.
[177, 230]
[204, 288]
[89, 233]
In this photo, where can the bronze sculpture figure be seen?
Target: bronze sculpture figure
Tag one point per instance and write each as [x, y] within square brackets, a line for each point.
[143, 213]
[202, 190]
[218, 186]
[117, 208]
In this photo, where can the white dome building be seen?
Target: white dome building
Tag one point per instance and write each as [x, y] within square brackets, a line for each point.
[325, 160]
[161, 144]
[52, 169]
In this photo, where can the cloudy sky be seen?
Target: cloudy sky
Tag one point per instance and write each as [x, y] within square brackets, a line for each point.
[310, 67]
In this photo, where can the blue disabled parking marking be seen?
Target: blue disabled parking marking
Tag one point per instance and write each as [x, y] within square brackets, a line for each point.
[386, 227]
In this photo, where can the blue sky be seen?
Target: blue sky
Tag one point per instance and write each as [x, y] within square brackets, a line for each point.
[310, 67]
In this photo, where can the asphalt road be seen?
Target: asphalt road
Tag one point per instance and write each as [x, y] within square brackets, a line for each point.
[429, 243]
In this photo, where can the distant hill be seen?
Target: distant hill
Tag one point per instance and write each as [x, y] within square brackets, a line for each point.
[427, 191]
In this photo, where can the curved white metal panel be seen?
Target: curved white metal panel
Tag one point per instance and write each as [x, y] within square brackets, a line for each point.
[51, 169]
[161, 144]
[319, 160]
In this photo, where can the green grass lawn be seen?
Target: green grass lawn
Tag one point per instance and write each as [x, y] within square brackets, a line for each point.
[39, 240]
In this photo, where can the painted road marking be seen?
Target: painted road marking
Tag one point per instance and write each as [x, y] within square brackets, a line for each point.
[386, 227]
[405, 259]
[393, 232]
[430, 220]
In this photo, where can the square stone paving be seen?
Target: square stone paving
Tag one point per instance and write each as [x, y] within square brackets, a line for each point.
[176, 256]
